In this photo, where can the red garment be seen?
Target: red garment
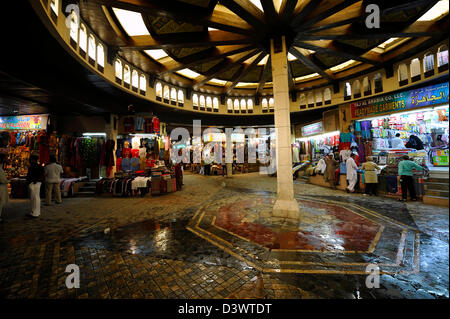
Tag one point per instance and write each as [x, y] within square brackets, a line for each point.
[119, 164]
[135, 153]
[126, 152]
[150, 162]
[156, 125]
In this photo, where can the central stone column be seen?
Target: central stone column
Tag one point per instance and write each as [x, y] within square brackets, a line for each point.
[285, 206]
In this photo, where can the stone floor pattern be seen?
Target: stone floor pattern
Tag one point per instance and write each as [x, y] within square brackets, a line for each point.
[150, 250]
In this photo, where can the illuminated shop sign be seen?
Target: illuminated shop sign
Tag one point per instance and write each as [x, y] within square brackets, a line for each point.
[25, 122]
[312, 129]
[430, 95]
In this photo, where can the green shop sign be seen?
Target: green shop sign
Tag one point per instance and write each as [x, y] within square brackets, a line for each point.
[427, 96]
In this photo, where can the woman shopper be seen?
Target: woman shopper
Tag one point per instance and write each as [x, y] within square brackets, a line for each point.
[330, 170]
[4, 197]
[370, 176]
[34, 180]
[405, 171]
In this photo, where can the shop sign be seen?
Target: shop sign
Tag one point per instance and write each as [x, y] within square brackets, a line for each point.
[25, 122]
[427, 96]
[312, 129]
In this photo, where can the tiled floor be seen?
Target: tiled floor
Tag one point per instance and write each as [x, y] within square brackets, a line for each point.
[154, 250]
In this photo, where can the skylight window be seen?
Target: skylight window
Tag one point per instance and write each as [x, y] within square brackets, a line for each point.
[306, 77]
[342, 65]
[291, 57]
[188, 73]
[131, 22]
[258, 4]
[264, 60]
[438, 10]
[217, 82]
[156, 54]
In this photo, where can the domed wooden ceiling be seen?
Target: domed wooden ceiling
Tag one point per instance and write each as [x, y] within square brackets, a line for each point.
[223, 45]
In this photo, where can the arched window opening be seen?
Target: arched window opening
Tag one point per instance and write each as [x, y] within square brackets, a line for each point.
[118, 69]
[250, 106]
[347, 91]
[229, 105]
[264, 105]
[428, 64]
[415, 70]
[54, 6]
[135, 80]
[302, 101]
[166, 93]
[271, 104]
[442, 57]
[327, 96]
[319, 100]
[216, 104]
[126, 76]
[180, 97]
[378, 81]
[310, 99]
[402, 74]
[74, 27]
[202, 102]
[356, 89]
[173, 96]
[83, 40]
[209, 103]
[100, 56]
[159, 91]
[236, 106]
[367, 88]
[195, 101]
[243, 106]
[92, 49]
[142, 83]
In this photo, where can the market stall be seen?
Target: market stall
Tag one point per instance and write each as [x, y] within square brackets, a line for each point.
[407, 123]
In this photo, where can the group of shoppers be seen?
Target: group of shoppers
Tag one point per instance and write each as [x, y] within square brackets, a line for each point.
[328, 167]
[50, 175]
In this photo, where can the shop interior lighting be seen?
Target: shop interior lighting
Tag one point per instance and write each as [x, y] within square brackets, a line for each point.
[318, 136]
[405, 113]
[94, 134]
[143, 135]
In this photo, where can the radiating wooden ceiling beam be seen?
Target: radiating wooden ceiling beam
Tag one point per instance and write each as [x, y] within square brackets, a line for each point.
[269, 11]
[204, 57]
[329, 48]
[287, 10]
[185, 39]
[310, 64]
[417, 29]
[247, 68]
[264, 75]
[353, 13]
[247, 11]
[222, 67]
[330, 8]
[184, 12]
[302, 10]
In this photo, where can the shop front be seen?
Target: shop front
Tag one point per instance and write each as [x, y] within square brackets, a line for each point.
[142, 158]
[413, 123]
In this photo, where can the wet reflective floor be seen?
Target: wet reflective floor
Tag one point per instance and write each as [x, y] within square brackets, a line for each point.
[215, 239]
